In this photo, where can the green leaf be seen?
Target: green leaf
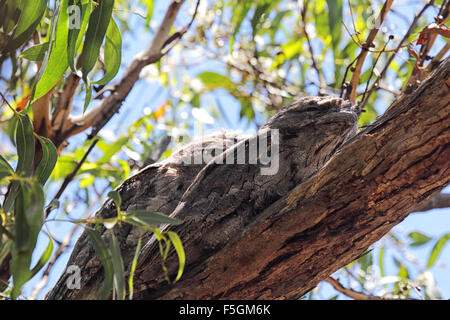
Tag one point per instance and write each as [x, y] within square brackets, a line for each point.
[274, 27]
[5, 169]
[334, 22]
[30, 16]
[25, 150]
[176, 241]
[151, 218]
[5, 249]
[44, 258]
[381, 261]
[418, 238]
[435, 252]
[87, 99]
[149, 4]
[119, 273]
[35, 53]
[113, 52]
[261, 12]
[9, 15]
[25, 144]
[239, 13]
[213, 80]
[133, 266]
[29, 214]
[106, 258]
[98, 24]
[110, 149]
[76, 34]
[48, 161]
[57, 61]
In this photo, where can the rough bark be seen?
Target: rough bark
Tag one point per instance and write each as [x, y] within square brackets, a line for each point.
[248, 236]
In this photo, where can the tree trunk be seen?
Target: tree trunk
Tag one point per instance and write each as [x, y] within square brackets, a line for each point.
[282, 244]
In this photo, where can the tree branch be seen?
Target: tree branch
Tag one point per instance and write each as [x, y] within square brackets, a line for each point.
[365, 50]
[350, 292]
[323, 223]
[441, 200]
[98, 116]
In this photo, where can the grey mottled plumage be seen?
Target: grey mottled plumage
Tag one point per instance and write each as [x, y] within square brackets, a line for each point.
[216, 201]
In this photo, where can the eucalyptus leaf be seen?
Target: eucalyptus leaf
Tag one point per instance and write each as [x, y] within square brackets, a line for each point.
[98, 24]
[176, 241]
[35, 53]
[106, 258]
[113, 52]
[119, 272]
[48, 161]
[57, 61]
[150, 218]
[436, 251]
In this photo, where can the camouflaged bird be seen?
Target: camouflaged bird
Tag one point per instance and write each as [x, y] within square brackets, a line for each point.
[217, 200]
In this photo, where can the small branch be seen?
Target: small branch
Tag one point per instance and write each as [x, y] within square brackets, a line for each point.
[441, 200]
[63, 106]
[356, 295]
[418, 73]
[365, 49]
[437, 58]
[161, 44]
[391, 58]
[157, 151]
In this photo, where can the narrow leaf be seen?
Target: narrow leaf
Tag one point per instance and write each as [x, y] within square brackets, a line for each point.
[25, 144]
[113, 52]
[176, 241]
[106, 258]
[57, 61]
[5, 169]
[48, 161]
[44, 258]
[76, 32]
[29, 213]
[435, 252]
[152, 218]
[30, 16]
[98, 24]
[133, 266]
[35, 53]
[87, 99]
[119, 272]
[418, 238]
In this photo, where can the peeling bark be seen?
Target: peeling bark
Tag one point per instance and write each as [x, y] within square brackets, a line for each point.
[280, 246]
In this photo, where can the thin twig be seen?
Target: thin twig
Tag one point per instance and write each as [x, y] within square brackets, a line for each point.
[70, 177]
[365, 49]
[98, 116]
[61, 249]
[441, 200]
[391, 58]
[356, 295]
[6, 101]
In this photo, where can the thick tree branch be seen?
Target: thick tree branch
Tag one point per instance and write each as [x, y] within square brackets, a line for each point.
[285, 249]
